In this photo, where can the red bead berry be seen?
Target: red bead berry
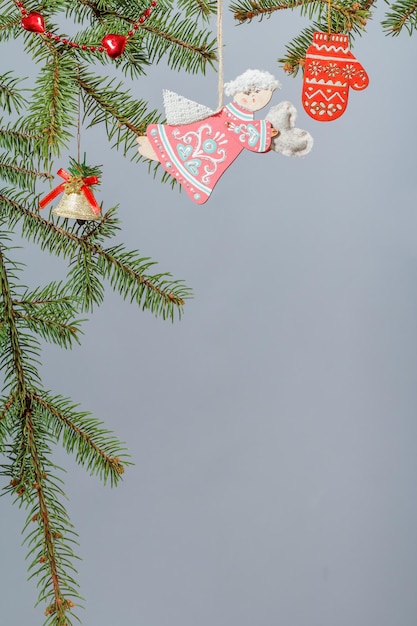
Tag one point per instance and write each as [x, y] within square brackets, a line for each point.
[147, 12]
[33, 22]
[101, 49]
[57, 37]
[84, 47]
[92, 48]
[130, 33]
[136, 26]
[50, 35]
[153, 3]
[114, 45]
[141, 20]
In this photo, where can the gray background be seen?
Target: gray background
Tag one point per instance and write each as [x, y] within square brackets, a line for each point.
[274, 428]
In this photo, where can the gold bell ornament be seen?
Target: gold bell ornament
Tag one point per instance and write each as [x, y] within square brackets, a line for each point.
[78, 201]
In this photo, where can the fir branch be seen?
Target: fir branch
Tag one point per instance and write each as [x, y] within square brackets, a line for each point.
[96, 448]
[56, 332]
[124, 270]
[42, 297]
[52, 113]
[8, 26]
[95, 10]
[12, 359]
[85, 279]
[197, 8]
[108, 102]
[15, 173]
[296, 50]
[247, 10]
[113, 102]
[8, 402]
[49, 313]
[11, 98]
[18, 140]
[49, 543]
[187, 47]
[402, 14]
[60, 604]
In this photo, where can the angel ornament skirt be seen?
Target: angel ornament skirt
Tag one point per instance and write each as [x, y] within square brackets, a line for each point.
[197, 154]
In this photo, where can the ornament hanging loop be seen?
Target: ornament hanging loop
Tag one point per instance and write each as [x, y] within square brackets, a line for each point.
[79, 116]
[220, 52]
[329, 18]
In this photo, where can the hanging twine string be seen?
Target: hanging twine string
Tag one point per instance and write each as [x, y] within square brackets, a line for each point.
[220, 52]
[79, 117]
[329, 21]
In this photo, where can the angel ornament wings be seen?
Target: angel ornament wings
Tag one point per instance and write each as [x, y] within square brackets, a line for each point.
[197, 145]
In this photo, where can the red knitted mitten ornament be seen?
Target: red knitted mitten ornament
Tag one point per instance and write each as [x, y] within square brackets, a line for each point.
[330, 69]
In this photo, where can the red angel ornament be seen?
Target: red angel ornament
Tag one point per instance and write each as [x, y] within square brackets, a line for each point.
[197, 144]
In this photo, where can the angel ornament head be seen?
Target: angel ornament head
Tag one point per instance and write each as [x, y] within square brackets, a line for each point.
[197, 144]
[252, 90]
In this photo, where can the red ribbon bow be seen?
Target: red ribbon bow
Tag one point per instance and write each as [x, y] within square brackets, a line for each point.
[84, 183]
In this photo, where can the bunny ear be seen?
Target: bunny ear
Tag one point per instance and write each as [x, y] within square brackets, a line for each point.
[291, 141]
[180, 110]
[282, 116]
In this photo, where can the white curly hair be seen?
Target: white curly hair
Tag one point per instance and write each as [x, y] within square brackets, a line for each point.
[251, 79]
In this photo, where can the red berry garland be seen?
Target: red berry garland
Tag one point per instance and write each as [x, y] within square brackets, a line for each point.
[112, 43]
